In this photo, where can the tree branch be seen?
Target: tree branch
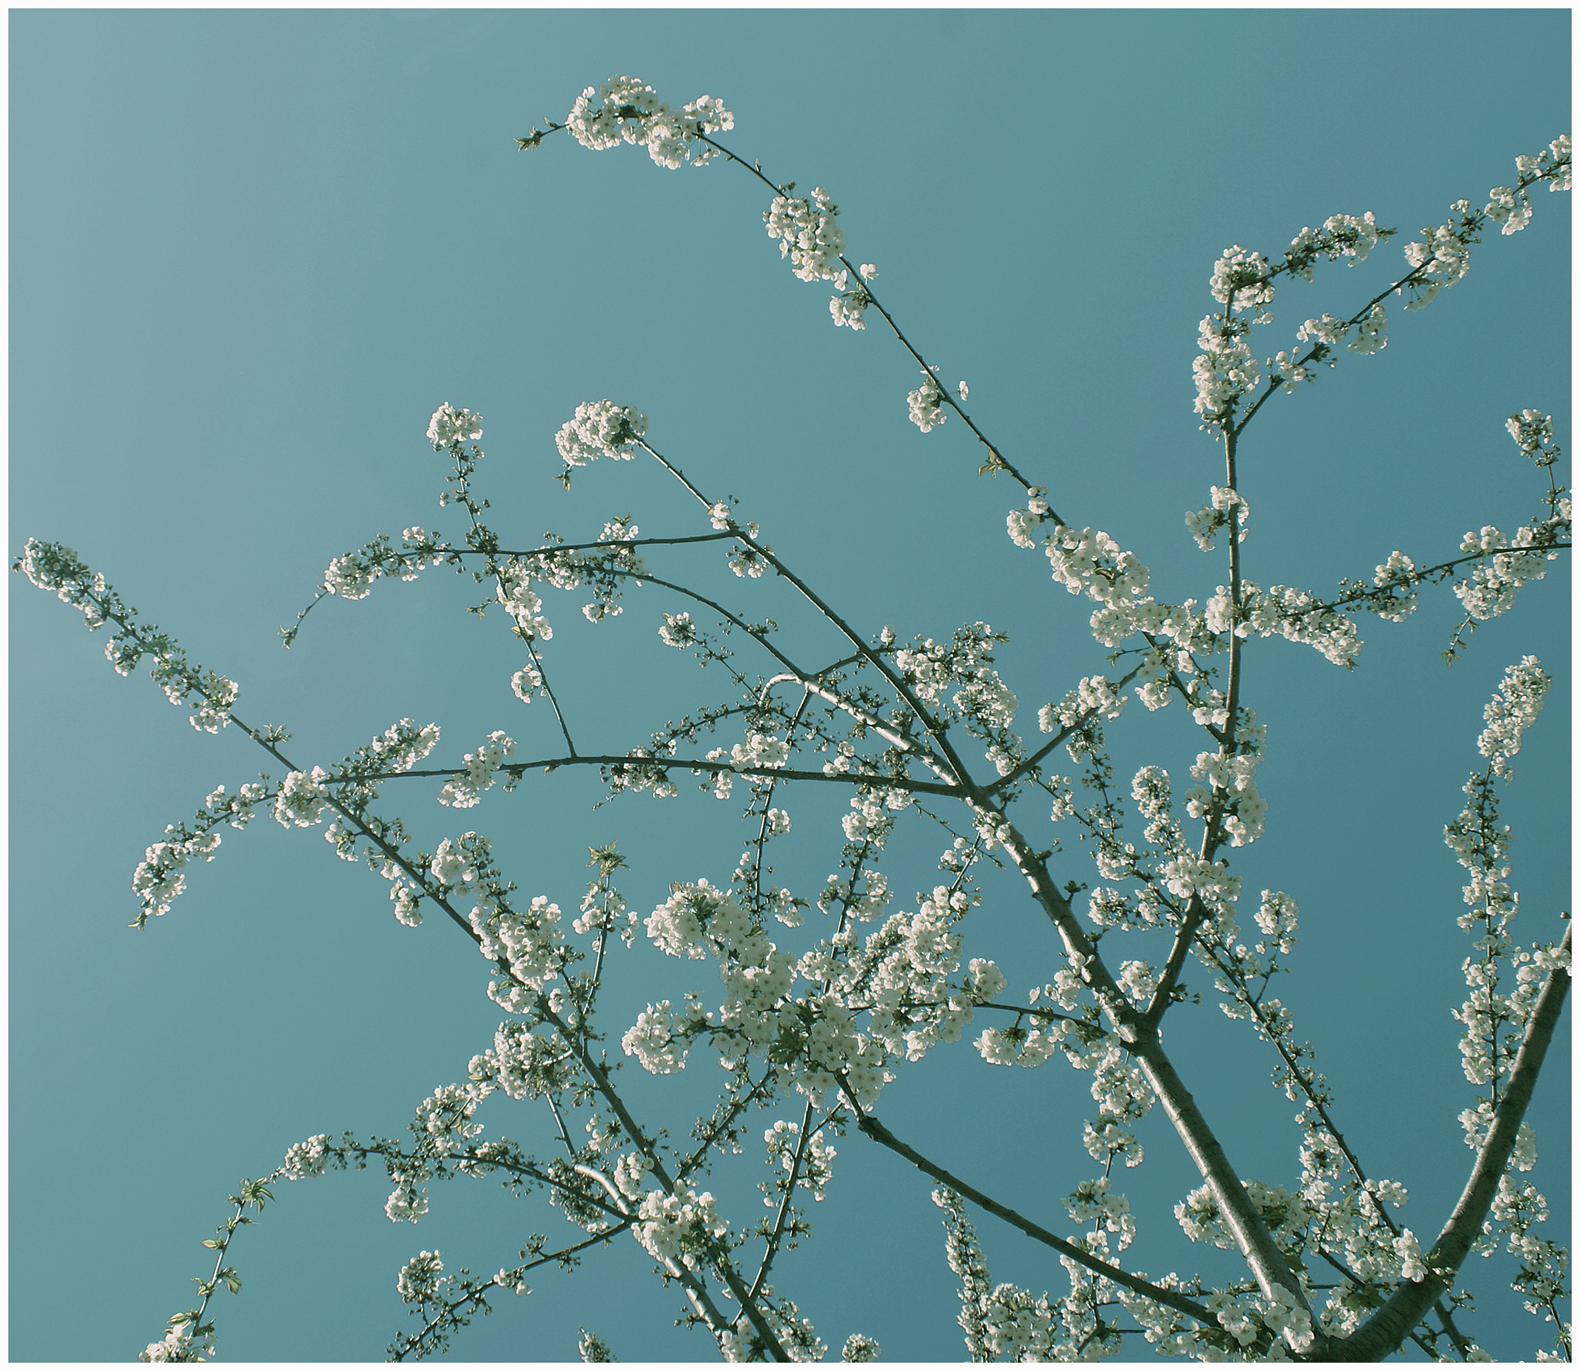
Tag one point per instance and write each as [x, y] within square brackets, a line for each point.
[1382, 1333]
[878, 1133]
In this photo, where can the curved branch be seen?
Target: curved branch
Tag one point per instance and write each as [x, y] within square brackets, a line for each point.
[879, 1134]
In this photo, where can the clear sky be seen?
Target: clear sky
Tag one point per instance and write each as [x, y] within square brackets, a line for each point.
[252, 251]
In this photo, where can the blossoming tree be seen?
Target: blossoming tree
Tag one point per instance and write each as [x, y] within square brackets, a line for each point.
[827, 992]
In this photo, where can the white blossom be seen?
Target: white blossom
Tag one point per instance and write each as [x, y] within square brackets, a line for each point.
[450, 425]
[601, 428]
[302, 799]
[808, 233]
[926, 403]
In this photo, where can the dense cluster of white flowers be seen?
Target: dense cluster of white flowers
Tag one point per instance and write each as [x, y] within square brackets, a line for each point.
[418, 1281]
[463, 791]
[1278, 918]
[675, 1227]
[1511, 711]
[352, 574]
[524, 1064]
[1398, 576]
[927, 404]
[653, 1039]
[760, 750]
[601, 428]
[1095, 696]
[1225, 369]
[521, 602]
[677, 630]
[449, 426]
[1493, 584]
[302, 798]
[401, 746]
[849, 307]
[903, 974]
[407, 1202]
[1023, 522]
[628, 109]
[1087, 561]
[1297, 615]
[306, 1159]
[1531, 430]
[527, 682]
[529, 942]
[810, 236]
[860, 1348]
[1231, 791]
[1444, 256]
[157, 881]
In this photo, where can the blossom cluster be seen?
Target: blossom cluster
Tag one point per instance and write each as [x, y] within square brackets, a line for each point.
[1225, 369]
[1231, 791]
[1294, 614]
[1371, 332]
[658, 1039]
[625, 108]
[305, 1159]
[1093, 1202]
[1511, 711]
[178, 1344]
[157, 881]
[419, 1279]
[1205, 522]
[810, 236]
[849, 306]
[600, 428]
[450, 426]
[1493, 584]
[302, 798]
[528, 943]
[1023, 523]
[352, 574]
[903, 975]
[927, 404]
[462, 791]
[675, 1228]
[521, 602]
[1087, 561]
[783, 1141]
[525, 1064]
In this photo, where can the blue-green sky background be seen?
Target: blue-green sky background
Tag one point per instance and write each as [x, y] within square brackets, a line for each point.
[252, 252]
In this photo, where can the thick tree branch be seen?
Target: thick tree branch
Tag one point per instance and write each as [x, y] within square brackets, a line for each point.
[1383, 1332]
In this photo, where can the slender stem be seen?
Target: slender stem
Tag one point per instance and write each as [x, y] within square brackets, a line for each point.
[412, 1341]
[803, 1141]
[537, 666]
[721, 1260]
[875, 659]
[878, 1133]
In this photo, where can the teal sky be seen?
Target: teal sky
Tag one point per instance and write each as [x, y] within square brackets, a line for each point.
[251, 252]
